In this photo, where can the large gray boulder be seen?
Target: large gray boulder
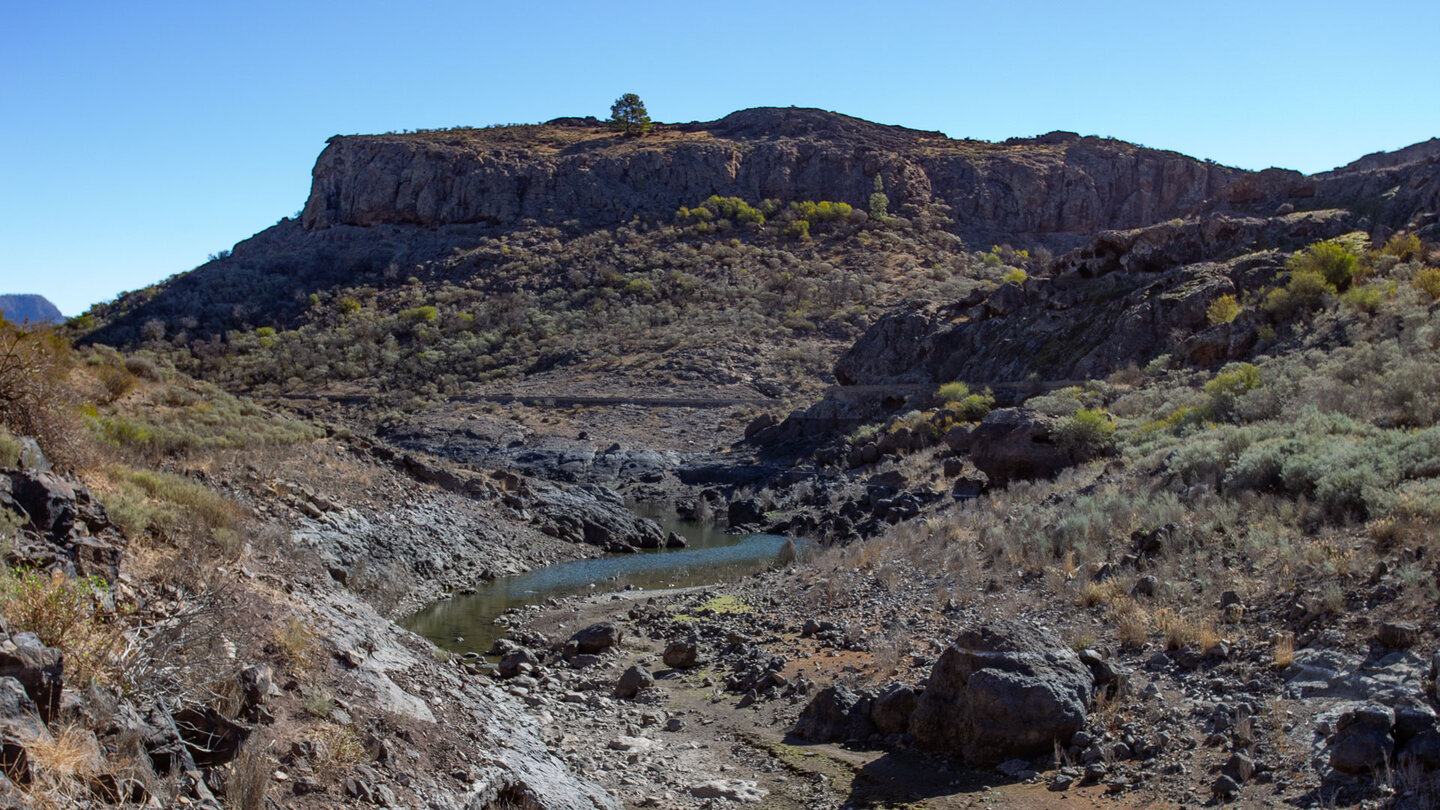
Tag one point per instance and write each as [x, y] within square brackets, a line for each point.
[1363, 742]
[1002, 691]
[596, 638]
[837, 713]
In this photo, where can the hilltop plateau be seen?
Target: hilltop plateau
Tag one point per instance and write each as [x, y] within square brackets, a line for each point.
[1111, 475]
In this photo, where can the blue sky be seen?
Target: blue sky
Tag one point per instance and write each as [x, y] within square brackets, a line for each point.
[136, 138]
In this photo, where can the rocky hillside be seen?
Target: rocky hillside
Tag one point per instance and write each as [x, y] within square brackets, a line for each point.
[32, 308]
[567, 169]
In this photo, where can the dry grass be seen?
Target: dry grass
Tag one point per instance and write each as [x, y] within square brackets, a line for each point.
[1102, 593]
[1284, 652]
[1131, 622]
[337, 750]
[249, 779]
[298, 645]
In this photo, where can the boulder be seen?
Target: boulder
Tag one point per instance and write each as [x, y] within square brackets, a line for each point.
[1397, 635]
[212, 738]
[40, 669]
[746, 512]
[596, 638]
[1001, 691]
[681, 655]
[514, 658]
[633, 681]
[1362, 741]
[836, 713]
[1017, 443]
[892, 709]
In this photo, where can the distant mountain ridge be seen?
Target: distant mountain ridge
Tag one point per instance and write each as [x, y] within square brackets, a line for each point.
[21, 307]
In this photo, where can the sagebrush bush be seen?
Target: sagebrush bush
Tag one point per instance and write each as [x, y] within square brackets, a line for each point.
[1086, 433]
[1427, 280]
[1330, 260]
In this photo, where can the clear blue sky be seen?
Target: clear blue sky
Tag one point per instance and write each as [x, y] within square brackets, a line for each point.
[136, 138]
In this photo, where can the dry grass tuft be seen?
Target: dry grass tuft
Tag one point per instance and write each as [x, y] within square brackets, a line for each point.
[1284, 650]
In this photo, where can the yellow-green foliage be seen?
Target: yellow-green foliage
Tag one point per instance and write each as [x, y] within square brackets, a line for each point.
[1364, 298]
[952, 392]
[198, 416]
[10, 449]
[165, 506]
[823, 211]
[956, 397]
[1014, 276]
[1427, 280]
[1086, 433]
[1330, 259]
[65, 612]
[1223, 310]
[1404, 247]
[724, 208]
[1305, 291]
[1228, 385]
[418, 315]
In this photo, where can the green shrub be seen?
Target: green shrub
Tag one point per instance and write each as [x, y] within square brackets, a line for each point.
[1223, 310]
[1427, 280]
[974, 407]
[1405, 247]
[419, 315]
[863, 434]
[1365, 299]
[1086, 433]
[798, 229]
[1304, 292]
[1330, 260]
[1014, 276]
[952, 392]
[65, 612]
[1228, 385]
[10, 449]
[820, 212]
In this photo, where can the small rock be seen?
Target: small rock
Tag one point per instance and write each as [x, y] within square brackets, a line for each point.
[738, 790]
[632, 681]
[1224, 788]
[1397, 635]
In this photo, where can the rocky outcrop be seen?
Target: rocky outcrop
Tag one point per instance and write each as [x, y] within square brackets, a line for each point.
[61, 526]
[1001, 691]
[577, 170]
[1121, 299]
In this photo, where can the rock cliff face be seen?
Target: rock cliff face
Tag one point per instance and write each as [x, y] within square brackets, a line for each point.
[575, 169]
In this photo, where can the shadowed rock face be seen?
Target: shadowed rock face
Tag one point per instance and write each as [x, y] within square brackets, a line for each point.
[572, 170]
[1123, 298]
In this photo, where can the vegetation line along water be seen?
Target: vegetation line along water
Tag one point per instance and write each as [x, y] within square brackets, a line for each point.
[467, 623]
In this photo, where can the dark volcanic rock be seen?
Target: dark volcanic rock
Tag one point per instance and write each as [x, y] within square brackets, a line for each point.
[891, 711]
[835, 713]
[1002, 691]
[596, 638]
[1362, 740]
[632, 681]
[1011, 443]
[1122, 299]
[1075, 186]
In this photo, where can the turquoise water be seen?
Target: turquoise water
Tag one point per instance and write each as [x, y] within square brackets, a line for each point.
[711, 557]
